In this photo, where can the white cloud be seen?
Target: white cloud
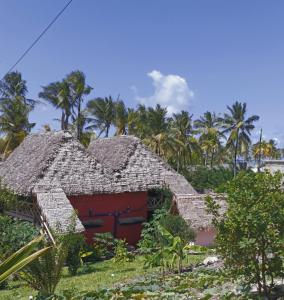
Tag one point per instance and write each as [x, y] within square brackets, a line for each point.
[171, 91]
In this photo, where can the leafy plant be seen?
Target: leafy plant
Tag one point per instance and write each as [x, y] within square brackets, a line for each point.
[104, 244]
[21, 258]
[121, 253]
[250, 234]
[44, 273]
[204, 178]
[14, 234]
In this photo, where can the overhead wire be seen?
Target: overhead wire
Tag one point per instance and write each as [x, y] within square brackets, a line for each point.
[38, 38]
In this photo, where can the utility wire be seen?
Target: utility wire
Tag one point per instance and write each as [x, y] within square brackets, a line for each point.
[38, 38]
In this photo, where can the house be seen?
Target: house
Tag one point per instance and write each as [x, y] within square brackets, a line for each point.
[105, 188]
[273, 165]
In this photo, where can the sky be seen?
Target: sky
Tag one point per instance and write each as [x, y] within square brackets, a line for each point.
[195, 55]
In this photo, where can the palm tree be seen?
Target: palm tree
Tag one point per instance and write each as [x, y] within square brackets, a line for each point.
[101, 114]
[59, 95]
[121, 118]
[78, 89]
[239, 128]
[181, 129]
[208, 126]
[14, 108]
[265, 149]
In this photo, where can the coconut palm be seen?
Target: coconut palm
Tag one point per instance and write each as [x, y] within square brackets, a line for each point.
[266, 150]
[208, 126]
[121, 118]
[238, 128]
[15, 108]
[12, 87]
[101, 114]
[78, 90]
[186, 145]
[58, 94]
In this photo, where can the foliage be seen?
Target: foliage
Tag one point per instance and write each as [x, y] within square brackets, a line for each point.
[104, 244]
[14, 111]
[22, 258]
[121, 253]
[98, 276]
[14, 234]
[204, 178]
[44, 273]
[177, 226]
[239, 129]
[250, 235]
[75, 245]
[202, 284]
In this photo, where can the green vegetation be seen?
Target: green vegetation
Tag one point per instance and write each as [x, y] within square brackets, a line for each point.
[14, 235]
[210, 140]
[92, 277]
[250, 235]
[20, 259]
[203, 178]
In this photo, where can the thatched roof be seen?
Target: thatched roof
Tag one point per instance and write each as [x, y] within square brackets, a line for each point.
[194, 210]
[135, 167]
[56, 208]
[54, 165]
[54, 156]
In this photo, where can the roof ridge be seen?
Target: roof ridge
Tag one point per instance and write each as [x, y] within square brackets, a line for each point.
[65, 138]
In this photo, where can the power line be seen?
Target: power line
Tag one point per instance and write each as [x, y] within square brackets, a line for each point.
[38, 38]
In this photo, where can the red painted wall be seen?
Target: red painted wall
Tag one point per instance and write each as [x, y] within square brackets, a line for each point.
[109, 203]
[205, 237]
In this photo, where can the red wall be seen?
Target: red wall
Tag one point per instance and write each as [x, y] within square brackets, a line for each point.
[109, 203]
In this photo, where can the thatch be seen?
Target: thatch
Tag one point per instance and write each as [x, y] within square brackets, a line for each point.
[56, 208]
[135, 167]
[54, 165]
[194, 210]
[54, 156]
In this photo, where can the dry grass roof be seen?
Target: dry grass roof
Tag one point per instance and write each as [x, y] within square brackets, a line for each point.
[194, 210]
[135, 166]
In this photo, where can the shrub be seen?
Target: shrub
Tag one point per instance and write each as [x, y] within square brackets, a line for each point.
[14, 234]
[104, 244]
[250, 234]
[121, 253]
[44, 273]
[175, 224]
[75, 244]
[203, 178]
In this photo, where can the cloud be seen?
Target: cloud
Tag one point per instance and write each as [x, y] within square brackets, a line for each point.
[171, 91]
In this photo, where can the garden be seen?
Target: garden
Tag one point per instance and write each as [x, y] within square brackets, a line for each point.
[246, 262]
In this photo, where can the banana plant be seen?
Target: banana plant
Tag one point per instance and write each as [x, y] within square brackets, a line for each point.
[21, 258]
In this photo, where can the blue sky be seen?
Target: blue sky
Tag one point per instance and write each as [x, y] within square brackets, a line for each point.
[195, 55]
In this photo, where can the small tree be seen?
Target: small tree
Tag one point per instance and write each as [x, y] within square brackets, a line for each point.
[250, 234]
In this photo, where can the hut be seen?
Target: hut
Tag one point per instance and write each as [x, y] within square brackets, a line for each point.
[105, 187]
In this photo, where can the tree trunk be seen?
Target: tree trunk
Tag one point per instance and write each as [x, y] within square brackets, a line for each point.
[79, 120]
[63, 120]
[236, 153]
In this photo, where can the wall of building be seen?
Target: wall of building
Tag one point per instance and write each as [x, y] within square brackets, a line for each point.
[106, 210]
[205, 237]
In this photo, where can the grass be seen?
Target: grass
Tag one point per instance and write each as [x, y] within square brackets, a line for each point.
[91, 277]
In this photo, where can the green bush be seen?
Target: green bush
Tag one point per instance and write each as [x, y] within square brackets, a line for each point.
[250, 234]
[177, 226]
[121, 253]
[203, 178]
[104, 245]
[14, 234]
[73, 261]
